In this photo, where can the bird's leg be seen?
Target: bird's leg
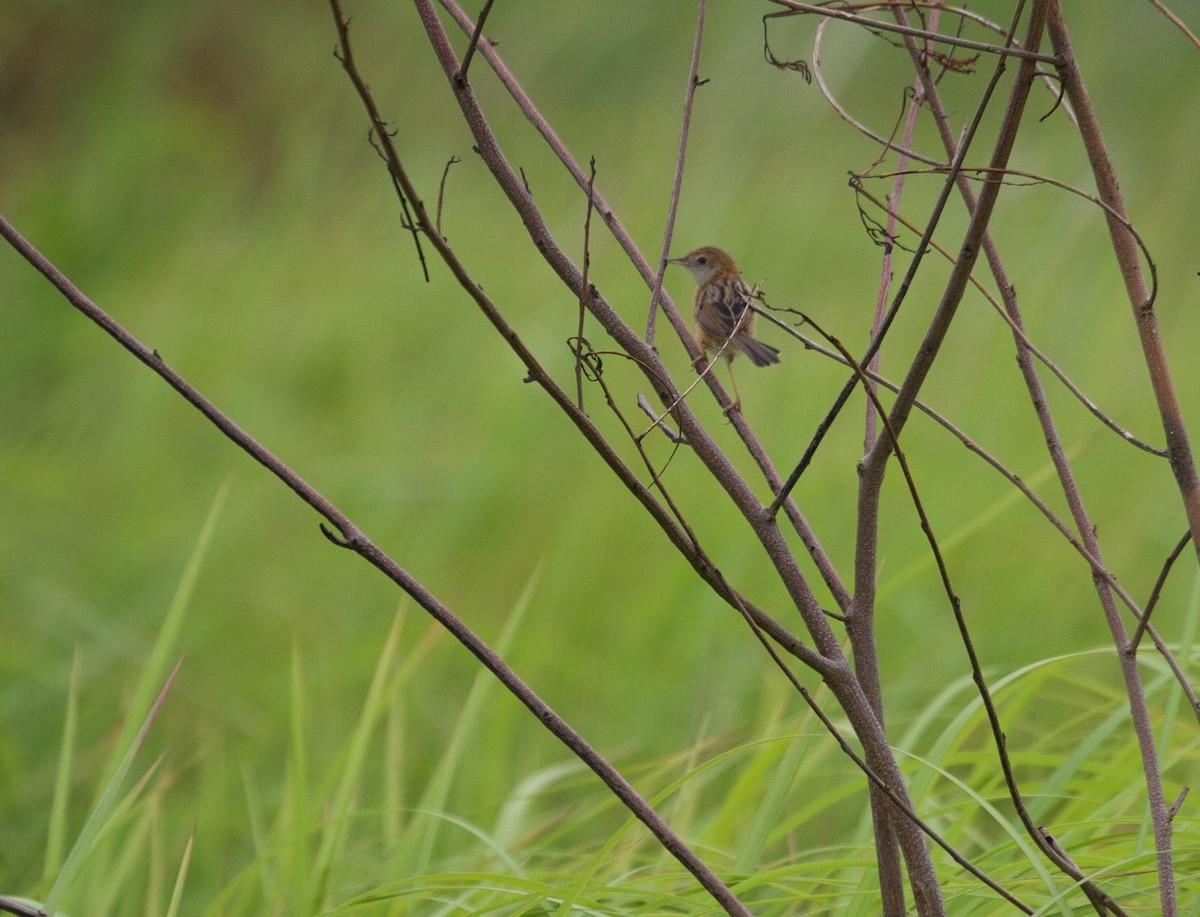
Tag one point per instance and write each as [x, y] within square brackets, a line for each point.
[737, 398]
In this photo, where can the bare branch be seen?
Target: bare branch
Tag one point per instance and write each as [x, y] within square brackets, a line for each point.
[1178, 447]
[453, 160]
[380, 137]
[348, 535]
[1013, 324]
[474, 43]
[843, 15]
[587, 287]
[808, 537]
[1175, 21]
[685, 125]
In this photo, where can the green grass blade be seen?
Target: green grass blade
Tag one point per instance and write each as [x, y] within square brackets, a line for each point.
[57, 832]
[177, 891]
[158, 659]
[414, 856]
[105, 805]
[341, 808]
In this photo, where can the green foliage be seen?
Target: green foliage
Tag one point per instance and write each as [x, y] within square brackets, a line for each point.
[203, 173]
[340, 839]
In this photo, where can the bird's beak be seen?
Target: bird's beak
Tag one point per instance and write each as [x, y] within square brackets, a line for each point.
[674, 261]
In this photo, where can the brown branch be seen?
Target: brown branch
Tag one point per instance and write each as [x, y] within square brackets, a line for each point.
[886, 143]
[380, 138]
[586, 290]
[774, 479]
[866, 655]
[1176, 21]
[837, 671]
[1179, 450]
[20, 908]
[1151, 602]
[685, 124]
[346, 534]
[902, 292]
[1013, 324]
[453, 160]
[842, 14]
[474, 43]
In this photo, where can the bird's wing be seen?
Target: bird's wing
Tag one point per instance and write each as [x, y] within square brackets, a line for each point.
[727, 303]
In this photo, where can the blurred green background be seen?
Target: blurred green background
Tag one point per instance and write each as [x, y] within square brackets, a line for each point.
[202, 172]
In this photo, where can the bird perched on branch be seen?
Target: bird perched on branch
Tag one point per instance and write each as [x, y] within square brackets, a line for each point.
[724, 318]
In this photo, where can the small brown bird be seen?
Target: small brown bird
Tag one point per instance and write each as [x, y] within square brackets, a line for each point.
[722, 311]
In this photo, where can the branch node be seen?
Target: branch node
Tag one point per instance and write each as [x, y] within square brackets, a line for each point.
[336, 538]
[1178, 803]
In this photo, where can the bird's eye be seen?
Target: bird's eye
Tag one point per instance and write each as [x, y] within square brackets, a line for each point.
[702, 260]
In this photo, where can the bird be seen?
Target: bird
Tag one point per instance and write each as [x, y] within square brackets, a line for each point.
[724, 317]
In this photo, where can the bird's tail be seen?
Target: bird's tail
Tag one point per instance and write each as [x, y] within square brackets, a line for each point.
[760, 354]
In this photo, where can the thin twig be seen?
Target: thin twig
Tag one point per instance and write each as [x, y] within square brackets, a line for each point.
[380, 138]
[474, 43]
[586, 290]
[685, 124]
[901, 293]
[1014, 326]
[1136, 638]
[1176, 21]
[13, 906]
[884, 142]
[453, 160]
[1179, 449]
[659, 421]
[840, 13]
[774, 479]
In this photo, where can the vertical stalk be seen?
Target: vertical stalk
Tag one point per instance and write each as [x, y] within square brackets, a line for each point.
[1179, 451]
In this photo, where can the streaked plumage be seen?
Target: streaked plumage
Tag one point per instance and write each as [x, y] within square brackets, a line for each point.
[722, 310]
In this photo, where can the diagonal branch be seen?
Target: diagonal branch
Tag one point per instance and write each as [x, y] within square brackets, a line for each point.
[774, 479]
[346, 534]
[1179, 451]
[685, 124]
[1007, 49]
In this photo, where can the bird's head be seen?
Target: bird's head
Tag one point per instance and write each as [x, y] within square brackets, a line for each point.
[705, 263]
